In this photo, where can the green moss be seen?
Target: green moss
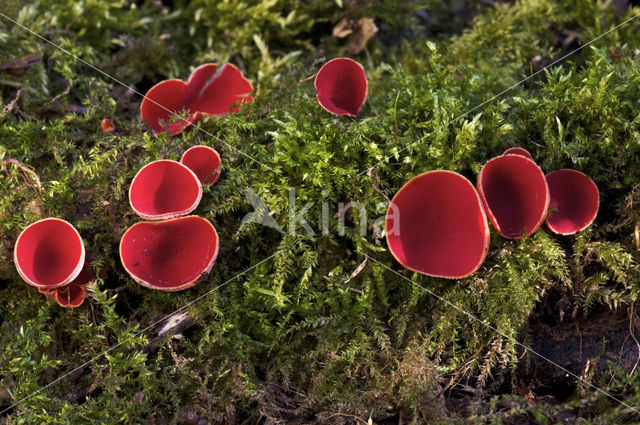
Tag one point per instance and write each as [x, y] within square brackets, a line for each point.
[312, 334]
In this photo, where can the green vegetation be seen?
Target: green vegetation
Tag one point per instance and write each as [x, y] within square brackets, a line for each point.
[313, 335]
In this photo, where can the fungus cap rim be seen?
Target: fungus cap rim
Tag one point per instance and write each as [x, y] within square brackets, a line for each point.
[172, 214]
[74, 274]
[486, 231]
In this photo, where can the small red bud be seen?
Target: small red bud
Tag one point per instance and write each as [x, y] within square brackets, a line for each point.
[107, 126]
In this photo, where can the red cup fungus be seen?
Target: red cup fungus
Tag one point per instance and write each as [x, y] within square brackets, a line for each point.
[574, 201]
[75, 292]
[518, 151]
[209, 91]
[164, 189]
[342, 86]
[71, 295]
[169, 255]
[68, 296]
[204, 162]
[515, 195]
[49, 253]
[107, 126]
[49, 293]
[436, 226]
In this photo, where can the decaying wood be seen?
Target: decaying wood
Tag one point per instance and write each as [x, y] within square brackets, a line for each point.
[20, 65]
[173, 326]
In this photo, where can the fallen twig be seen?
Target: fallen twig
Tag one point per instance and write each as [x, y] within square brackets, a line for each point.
[28, 173]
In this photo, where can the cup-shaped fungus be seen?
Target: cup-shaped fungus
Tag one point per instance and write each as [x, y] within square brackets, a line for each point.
[574, 201]
[209, 91]
[518, 151]
[515, 195]
[164, 189]
[204, 162]
[342, 86]
[50, 293]
[107, 126]
[435, 225]
[169, 255]
[49, 253]
[72, 294]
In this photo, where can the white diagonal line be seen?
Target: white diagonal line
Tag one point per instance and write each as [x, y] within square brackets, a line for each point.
[499, 94]
[138, 333]
[493, 328]
[135, 91]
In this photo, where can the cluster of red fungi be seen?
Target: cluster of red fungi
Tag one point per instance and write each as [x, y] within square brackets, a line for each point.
[439, 226]
[437, 223]
[176, 250]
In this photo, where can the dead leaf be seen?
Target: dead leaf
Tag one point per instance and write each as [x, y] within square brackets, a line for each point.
[343, 28]
[19, 66]
[358, 40]
[359, 32]
[357, 271]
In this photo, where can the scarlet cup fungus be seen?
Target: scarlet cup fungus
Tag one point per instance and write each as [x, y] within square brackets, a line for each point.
[169, 255]
[164, 189]
[204, 162]
[518, 151]
[107, 126]
[209, 91]
[342, 86]
[436, 226]
[49, 293]
[72, 294]
[49, 253]
[515, 195]
[574, 201]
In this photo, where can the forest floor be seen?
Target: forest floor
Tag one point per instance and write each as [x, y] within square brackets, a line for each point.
[320, 324]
